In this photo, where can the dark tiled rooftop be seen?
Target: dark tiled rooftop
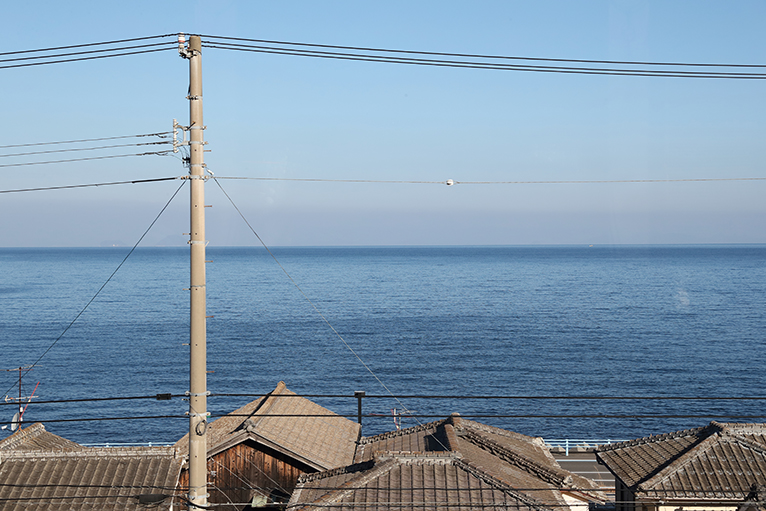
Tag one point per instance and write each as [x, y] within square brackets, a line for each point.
[35, 437]
[89, 478]
[718, 461]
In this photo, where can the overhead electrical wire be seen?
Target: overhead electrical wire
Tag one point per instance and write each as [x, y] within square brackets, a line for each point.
[102, 43]
[57, 55]
[168, 396]
[89, 52]
[67, 187]
[30, 64]
[161, 134]
[311, 302]
[472, 55]
[98, 292]
[492, 62]
[451, 182]
[151, 153]
[416, 416]
[98, 148]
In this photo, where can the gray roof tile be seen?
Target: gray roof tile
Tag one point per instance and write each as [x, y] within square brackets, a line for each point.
[718, 461]
[89, 478]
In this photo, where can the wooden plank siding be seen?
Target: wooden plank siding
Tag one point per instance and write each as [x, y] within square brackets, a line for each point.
[238, 473]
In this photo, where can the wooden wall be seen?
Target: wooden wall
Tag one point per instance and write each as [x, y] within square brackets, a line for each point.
[237, 473]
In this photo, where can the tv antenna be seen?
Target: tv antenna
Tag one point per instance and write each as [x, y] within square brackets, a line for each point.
[18, 416]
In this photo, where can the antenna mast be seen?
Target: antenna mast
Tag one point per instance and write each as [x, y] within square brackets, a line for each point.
[198, 329]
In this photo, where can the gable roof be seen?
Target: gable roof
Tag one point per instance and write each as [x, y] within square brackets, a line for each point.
[718, 461]
[88, 478]
[419, 480]
[290, 424]
[511, 459]
[35, 437]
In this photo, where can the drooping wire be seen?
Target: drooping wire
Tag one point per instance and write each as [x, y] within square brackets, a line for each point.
[82, 311]
[67, 187]
[89, 52]
[79, 59]
[169, 396]
[161, 134]
[98, 148]
[316, 309]
[152, 153]
[482, 65]
[452, 182]
[102, 43]
[470, 55]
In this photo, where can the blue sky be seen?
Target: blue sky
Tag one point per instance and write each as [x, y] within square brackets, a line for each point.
[295, 117]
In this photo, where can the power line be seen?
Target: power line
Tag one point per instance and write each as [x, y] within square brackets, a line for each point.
[56, 48]
[168, 396]
[316, 309]
[621, 416]
[551, 398]
[89, 52]
[153, 153]
[161, 134]
[82, 311]
[470, 55]
[451, 182]
[66, 187]
[484, 65]
[99, 148]
[85, 58]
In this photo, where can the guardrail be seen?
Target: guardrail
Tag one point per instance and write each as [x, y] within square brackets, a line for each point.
[569, 443]
[131, 444]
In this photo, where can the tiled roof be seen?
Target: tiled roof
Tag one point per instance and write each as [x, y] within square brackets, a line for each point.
[719, 461]
[89, 478]
[35, 437]
[504, 460]
[424, 481]
[288, 424]
[430, 437]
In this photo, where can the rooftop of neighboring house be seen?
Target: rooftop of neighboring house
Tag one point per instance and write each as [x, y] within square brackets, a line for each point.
[35, 437]
[720, 461]
[42, 471]
[460, 460]
[289, 424]
[419, 480]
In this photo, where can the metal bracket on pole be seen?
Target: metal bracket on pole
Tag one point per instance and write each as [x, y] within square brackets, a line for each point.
[201, 393]
[184, 141]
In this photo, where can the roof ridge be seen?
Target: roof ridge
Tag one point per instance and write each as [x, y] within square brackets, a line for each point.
[557, 477]
[470, 424]
[401, 432]
[20, 436]
[376, 470]
[651, 439]
[324, 474]
[266, 404]
[95, 452]
[477, 471]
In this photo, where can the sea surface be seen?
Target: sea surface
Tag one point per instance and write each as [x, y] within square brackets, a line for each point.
[524, 325]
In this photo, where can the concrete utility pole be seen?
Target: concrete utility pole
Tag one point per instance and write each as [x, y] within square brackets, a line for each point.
[198, 329]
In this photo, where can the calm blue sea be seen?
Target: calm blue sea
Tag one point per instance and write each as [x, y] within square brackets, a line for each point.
[611, 321]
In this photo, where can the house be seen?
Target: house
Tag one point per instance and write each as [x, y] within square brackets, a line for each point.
[453, 463]
[256, 453]
[42, 471]
[715, 467]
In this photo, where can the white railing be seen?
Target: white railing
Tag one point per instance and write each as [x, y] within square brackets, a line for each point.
[131, 444]
[571, 443]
